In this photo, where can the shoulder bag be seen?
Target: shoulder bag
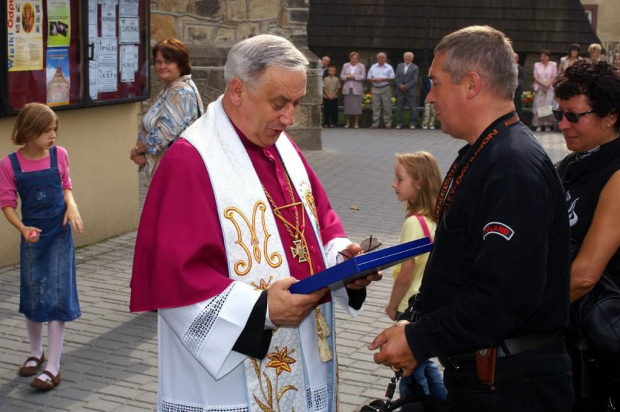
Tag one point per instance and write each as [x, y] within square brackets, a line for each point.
[595, 322]
[597, 319]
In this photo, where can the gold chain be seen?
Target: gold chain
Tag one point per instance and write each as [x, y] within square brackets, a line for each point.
[300, 249]
[301, 252]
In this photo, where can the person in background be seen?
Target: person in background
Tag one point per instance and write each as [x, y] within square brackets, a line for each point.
[325, 60]
[380, 76]
[495, 294]
[428, 116]
[406, 82]
[38, 174]
[353, 74]
[588, 107]
[233, 220]
[595, 51]
[570, 59]
[616, 61]
[545, 73]
[176, 107]
[416, 182]
[331, 86]
[519, 90]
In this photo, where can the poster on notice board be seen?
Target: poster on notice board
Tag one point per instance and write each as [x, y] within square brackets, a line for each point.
[59, 23]
[58, 76]
[24, 35]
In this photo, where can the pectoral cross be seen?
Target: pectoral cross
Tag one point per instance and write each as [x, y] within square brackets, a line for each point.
[299, 251]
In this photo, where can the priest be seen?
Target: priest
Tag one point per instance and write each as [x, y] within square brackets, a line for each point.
[235, 216]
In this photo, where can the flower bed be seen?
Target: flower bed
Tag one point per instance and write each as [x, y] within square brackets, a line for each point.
[367, 100]
[527, 98]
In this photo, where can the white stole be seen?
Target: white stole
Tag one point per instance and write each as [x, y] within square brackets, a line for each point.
[257, 257]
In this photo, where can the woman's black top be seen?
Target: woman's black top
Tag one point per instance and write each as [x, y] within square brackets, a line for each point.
[584, 176]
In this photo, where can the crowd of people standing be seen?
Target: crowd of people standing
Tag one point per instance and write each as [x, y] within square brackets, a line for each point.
[387, 87]
[381, 78]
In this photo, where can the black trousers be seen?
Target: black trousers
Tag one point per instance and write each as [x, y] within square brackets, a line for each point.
[538, 380]
[330, 112]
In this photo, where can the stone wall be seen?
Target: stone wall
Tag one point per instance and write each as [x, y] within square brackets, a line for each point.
[210, 27]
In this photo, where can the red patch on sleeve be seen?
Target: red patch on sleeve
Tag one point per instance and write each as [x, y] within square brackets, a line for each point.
[498, 228]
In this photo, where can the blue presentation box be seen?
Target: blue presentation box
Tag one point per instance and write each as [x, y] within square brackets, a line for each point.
[362, 265]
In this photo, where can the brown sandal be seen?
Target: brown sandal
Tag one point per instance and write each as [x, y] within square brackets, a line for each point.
[48, 384]
[31, 370]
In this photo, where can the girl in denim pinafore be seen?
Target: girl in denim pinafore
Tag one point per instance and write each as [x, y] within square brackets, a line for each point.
[48, 291]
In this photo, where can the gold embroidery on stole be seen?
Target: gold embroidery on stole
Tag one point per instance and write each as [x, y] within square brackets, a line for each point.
[242, 267]
[280, 360]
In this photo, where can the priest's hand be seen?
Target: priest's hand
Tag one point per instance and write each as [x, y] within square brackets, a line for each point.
[394, 349]
[353, 250]
[361, 283]
[290, 309]
[350, 251]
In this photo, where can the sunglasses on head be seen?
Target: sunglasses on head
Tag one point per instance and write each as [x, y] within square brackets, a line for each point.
[570, 116]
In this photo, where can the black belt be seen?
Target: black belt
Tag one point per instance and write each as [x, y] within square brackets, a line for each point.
[380, 87]
[508, 347]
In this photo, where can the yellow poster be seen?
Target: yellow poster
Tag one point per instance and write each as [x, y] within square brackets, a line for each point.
[25, 35]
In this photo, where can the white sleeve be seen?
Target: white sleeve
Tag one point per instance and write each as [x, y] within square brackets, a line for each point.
[332, 249]
[339, 295]
[209, 329]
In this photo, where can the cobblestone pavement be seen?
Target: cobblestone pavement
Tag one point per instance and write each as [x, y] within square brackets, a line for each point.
[110, 355]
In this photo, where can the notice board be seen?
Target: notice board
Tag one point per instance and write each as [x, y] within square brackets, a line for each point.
[74, 53]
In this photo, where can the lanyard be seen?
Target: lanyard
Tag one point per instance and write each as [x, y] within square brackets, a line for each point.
[452, 181]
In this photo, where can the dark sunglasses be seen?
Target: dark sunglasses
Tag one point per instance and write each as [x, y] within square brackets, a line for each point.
[570, 116]
[367, 245]
[370, 244]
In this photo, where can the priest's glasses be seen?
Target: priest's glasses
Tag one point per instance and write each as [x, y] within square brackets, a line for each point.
[369, 244]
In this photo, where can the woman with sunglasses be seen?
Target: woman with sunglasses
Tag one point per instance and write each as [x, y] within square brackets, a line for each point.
[588, 95]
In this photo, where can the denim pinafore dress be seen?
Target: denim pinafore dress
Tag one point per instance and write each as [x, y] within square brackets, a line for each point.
[48, 288]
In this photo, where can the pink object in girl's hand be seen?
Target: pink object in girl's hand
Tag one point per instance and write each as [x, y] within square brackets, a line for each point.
[33, 234]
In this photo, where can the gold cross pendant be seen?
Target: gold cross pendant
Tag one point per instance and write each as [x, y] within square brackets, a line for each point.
[299, 251]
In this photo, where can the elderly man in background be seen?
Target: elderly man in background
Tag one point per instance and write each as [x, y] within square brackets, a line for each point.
[406, 82]
[325, 60]
[381, 75]
[495, 295]
[234, 219]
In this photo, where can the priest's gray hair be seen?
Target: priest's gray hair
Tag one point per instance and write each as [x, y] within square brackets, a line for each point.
[250, 58]
[484, 50]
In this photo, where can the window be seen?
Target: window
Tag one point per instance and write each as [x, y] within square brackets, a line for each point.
[591, 12]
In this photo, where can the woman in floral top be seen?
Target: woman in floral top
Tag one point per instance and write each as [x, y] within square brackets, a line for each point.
[176, 107]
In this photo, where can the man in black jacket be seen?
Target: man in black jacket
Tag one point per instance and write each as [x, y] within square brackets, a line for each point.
[496, 287]
[519, 90]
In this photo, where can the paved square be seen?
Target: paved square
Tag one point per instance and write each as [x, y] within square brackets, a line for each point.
[110, 355]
